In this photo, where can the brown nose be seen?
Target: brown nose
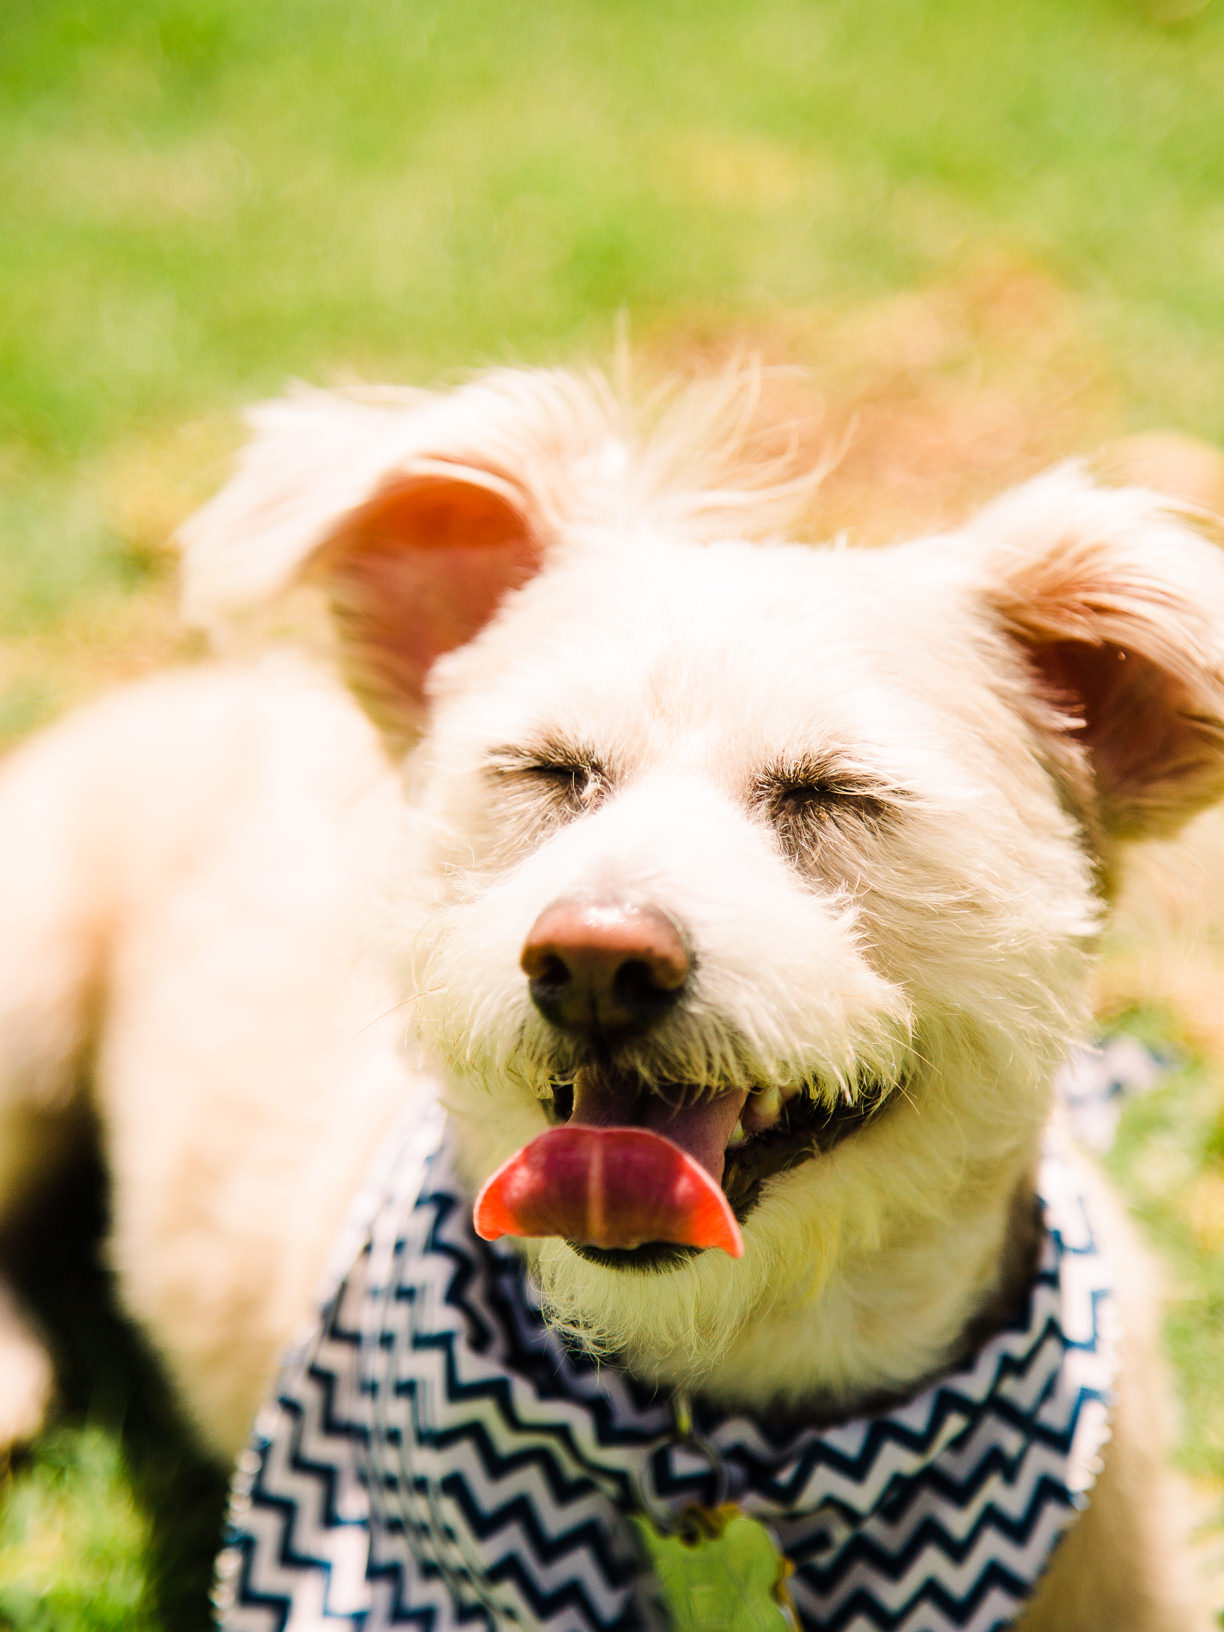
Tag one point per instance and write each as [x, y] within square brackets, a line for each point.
[601, 967]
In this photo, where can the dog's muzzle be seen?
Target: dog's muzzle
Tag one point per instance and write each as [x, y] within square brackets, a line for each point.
[631, 1169]
[635, 1175]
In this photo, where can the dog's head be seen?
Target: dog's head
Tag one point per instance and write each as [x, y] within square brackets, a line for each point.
[792, 855]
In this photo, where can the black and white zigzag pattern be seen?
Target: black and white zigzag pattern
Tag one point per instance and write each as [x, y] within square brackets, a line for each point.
[438, 1458]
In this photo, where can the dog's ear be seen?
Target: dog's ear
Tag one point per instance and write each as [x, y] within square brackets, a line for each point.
[1116, 601]
[416, 513]
[418, 570]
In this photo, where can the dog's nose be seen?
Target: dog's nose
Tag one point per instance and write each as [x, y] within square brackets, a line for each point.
[604, 966]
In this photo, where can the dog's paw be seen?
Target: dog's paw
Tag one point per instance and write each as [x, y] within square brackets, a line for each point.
[26, 1376]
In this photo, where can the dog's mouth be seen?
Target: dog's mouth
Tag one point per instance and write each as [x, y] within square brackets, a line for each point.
[638, 1177]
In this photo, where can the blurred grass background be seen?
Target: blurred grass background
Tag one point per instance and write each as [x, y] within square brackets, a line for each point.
[994, 230]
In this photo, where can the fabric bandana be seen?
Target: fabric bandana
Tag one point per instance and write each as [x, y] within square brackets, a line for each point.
[438, 1458]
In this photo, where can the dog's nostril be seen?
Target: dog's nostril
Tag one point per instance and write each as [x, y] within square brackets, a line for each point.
[636, 985]
[549, 975]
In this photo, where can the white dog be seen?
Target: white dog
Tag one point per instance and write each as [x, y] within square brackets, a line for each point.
[745, 896]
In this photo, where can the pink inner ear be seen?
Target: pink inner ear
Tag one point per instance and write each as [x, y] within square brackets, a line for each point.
[1154, 758]
[418, 572]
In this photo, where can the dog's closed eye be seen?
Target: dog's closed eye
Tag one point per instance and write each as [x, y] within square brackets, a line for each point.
[554, 781]
[807, 800]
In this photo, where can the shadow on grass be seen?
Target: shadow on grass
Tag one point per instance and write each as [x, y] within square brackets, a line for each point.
[116, 1427]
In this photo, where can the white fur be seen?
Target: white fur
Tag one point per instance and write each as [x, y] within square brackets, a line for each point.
[225, 866]
[188, 870]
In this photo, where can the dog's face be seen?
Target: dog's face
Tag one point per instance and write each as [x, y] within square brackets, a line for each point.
[791, 855]
[798, 761]
[848, 909]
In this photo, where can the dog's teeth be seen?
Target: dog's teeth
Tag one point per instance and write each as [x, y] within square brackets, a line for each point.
[764, 1109]
[738, 1136]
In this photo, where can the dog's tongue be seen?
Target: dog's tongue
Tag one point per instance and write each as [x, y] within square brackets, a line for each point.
[606, 1185]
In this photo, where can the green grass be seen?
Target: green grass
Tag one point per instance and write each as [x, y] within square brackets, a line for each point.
[203, 198]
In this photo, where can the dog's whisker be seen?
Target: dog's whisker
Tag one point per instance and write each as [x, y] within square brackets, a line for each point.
[410, 1002]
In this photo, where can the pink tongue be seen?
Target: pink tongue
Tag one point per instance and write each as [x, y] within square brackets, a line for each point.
[614, 1186]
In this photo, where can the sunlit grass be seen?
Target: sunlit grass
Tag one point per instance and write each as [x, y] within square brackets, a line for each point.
[204, 198]
[73, 1542]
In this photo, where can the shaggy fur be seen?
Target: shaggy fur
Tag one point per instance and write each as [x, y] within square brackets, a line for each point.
[882, 792]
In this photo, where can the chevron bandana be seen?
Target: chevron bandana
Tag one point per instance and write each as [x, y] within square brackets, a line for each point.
[438, 1458]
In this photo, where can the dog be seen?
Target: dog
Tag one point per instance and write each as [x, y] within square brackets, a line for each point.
[736, 898]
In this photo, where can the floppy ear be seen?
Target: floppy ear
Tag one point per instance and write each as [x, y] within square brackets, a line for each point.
[1116, 601]
[416, 513]
[417, 571]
